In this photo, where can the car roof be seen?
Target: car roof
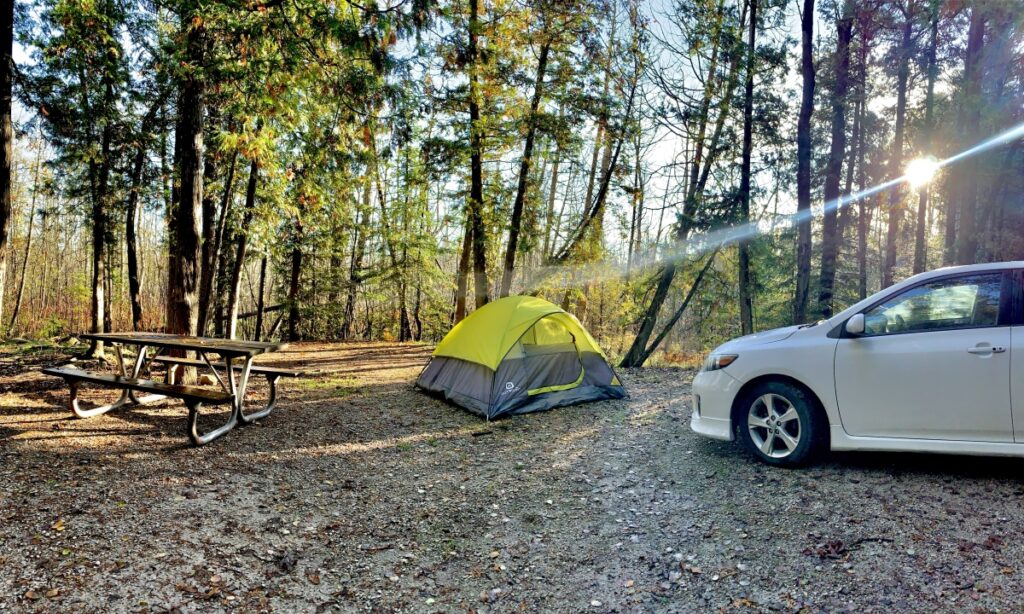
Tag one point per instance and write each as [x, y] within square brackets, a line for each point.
[967, 268]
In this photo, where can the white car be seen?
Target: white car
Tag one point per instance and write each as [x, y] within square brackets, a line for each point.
[925, 365]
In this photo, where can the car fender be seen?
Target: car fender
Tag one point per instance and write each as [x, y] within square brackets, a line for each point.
[809, 361]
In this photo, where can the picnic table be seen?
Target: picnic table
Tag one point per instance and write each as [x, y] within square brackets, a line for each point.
[233, 358]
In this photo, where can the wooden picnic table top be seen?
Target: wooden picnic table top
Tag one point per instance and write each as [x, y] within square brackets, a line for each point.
[223, 347]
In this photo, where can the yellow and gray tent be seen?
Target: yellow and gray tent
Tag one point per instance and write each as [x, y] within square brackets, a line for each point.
[517, 355]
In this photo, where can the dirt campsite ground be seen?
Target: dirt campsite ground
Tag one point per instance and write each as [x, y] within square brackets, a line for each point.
[360, 494]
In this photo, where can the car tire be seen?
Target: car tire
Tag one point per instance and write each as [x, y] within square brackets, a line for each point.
[781, 424]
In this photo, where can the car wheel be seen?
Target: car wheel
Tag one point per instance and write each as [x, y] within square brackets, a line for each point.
[779, 423]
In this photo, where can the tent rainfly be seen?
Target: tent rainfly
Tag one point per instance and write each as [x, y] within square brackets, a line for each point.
[517, 355]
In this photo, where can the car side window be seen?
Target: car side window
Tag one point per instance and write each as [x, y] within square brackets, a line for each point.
[971, 301]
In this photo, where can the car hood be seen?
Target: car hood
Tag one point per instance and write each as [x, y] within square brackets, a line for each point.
[761, 338]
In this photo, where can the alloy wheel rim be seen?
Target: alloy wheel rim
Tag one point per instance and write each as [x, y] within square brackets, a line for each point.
[774, 425]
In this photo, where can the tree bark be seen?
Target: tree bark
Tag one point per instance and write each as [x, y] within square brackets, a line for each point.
[743, 247]
[920, 238]
[863, 205]
[241, 247]
[803, 170]
[549, 215]
[219, 253]
[130, 237]
[834, 167]
[100, 180]
[637, 356]
[355, 275]
[208, 258]
[896, 159]
[481, 289]
[970, 115]
[462, 275]
[183, 275]
[524, 174]
[261, 300]
[7, 131]
[293, 286]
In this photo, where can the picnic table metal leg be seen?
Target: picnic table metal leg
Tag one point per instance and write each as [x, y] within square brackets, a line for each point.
[140, 364]
[193, 425]
[95, 411]
[238, 392]
[271, 402]
[243, 383]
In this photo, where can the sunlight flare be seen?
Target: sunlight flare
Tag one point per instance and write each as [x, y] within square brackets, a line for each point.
[921, 171]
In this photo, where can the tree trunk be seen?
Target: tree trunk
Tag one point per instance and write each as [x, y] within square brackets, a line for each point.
[462, 275]
[261, 300]
[970, 115]
[743, 247]
[636, 206]
[355, 275]
[896, 159]
[803, 162]
[207, 256]
[241, 247]
[293, 286]
[863, 211]
[131, 238]
[7, 130]
[834, 167]
[219, 253]
[636, 357]
[183, 275]
[101, 173]
[920, 238]
[524, 174]
[549, 215]
[481, 285]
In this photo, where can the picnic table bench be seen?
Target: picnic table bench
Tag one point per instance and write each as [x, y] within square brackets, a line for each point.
[235, 360]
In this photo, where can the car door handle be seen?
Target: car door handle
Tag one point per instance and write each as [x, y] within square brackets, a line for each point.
[986, 349]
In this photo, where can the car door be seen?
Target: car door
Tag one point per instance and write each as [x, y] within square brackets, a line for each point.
[932, 362]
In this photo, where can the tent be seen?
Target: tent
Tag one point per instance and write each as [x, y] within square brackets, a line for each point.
[516, 355]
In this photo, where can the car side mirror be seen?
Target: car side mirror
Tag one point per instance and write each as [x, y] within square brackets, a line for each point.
[855, 325]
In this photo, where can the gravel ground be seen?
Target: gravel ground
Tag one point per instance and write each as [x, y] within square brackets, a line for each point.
[360, 494]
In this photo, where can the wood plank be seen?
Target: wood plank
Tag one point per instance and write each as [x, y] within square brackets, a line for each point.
[189, 393]
[223, 347]
[189, 362]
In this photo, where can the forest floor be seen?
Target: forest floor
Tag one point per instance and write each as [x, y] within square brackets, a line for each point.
[360, 493]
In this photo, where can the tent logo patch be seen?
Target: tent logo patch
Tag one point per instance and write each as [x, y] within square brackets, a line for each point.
[509, 386]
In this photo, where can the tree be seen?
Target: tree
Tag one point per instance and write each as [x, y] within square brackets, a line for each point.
[705, 153]
[833, 169]
[524, 171]
[185, 219]
[932, 71]
[903, 53]
[803, 158]
[743, 246]
[969, 115]
[6, 132]
[475, 206]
